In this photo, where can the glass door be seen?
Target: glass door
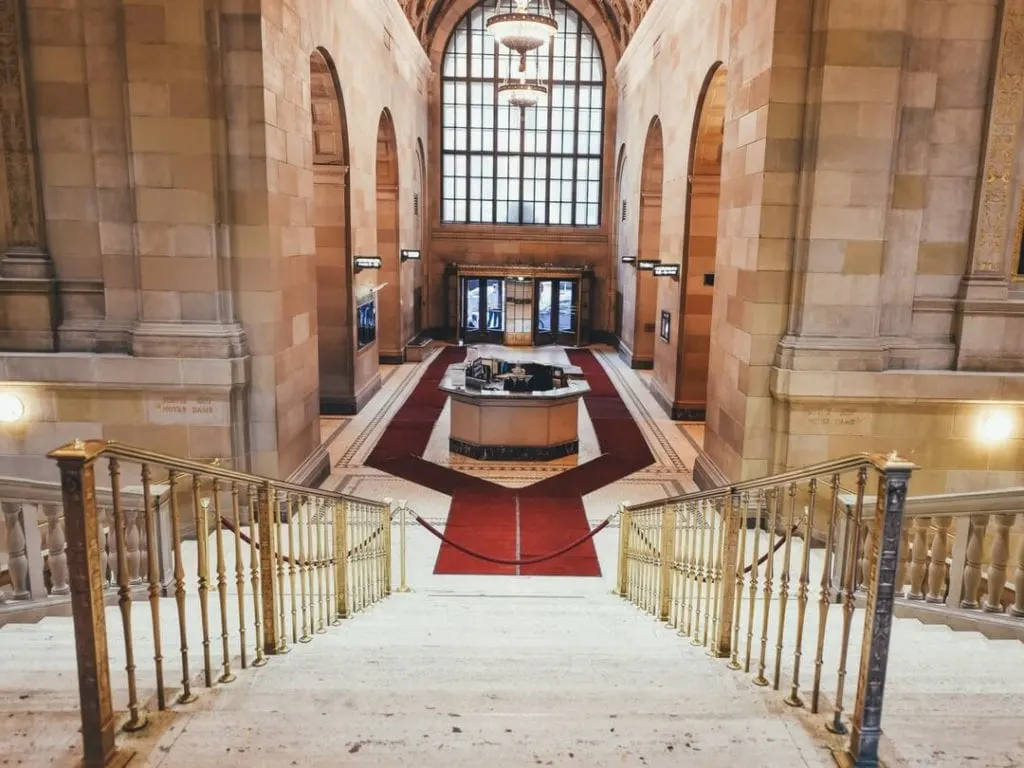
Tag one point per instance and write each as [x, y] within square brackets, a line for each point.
[557, 312]
[483, 309]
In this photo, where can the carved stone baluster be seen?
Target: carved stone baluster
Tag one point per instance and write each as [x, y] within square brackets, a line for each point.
[17, 550]
[919, 558]
[132, 557]
[904, 564]
[109, 564]
[56, 544]
[1017, 609]
[972, 564]
[937, 561]
[997, 568]
[143, 547]
[864, 556]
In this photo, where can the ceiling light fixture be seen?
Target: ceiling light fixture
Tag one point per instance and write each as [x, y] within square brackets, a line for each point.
[521, 29]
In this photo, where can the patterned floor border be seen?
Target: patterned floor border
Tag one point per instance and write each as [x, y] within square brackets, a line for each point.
[674, 475]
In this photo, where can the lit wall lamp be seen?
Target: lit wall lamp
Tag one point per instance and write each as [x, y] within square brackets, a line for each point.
[12, 409]
[995, 426]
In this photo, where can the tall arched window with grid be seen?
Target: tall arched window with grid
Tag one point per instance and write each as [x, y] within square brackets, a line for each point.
[505, 165]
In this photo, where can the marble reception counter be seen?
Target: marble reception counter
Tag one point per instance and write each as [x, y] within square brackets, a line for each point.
[490, 423]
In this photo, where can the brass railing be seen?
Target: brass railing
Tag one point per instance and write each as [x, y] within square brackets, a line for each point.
[698, 562]
[279, 562]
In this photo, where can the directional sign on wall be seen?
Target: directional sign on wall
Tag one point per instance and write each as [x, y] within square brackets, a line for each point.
[368, 262]
[666, 270]
[629, 259]
[408, 255]
[647, 264]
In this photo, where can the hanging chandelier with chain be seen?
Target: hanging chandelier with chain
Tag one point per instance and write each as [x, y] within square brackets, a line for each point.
[520, 27]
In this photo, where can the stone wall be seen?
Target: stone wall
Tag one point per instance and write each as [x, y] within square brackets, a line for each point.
[175, 169]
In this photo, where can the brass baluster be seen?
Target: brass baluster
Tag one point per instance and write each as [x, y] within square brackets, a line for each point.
[199, 508]
[848, 588]
[278, 505]
[290, 506]
[153, 567]
[303, 571]
[239, 573]
[677, 581]
[734, 661]
[255, 576]
[187, 696]
[222, 585]
[755, 566]
[825, 595]
[341, 579]
[690, 555]
[784, 584]
[716, 573]
[324, 601]
[136, 720]
[702, 536]
[769, 584]
[801, 596]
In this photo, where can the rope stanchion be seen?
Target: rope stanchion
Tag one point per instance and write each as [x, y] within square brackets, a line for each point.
[506, 561]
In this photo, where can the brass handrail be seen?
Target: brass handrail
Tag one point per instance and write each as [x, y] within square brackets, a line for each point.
[856, 461]
[96, 448]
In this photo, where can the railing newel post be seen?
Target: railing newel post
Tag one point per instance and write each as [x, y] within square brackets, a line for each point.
[624, 516]
[730, 568]
[78, 486]
[883, 563]
[668, 528]
[267, 569]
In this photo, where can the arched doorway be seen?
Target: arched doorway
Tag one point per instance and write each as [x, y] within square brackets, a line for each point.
[648, 247]
[700, 245]
[421, 269]
[619, 218]
[391, 339]
[332, 213]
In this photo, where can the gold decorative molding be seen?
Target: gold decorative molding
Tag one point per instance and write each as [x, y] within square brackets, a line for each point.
[995, 195]
[20, 198]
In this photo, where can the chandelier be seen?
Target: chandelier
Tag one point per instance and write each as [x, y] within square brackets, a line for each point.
[519, 91]
[518, 28]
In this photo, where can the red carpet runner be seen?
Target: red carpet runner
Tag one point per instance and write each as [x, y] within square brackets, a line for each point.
[513, 523]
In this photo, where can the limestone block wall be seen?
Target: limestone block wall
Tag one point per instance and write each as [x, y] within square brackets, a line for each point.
[175, 173]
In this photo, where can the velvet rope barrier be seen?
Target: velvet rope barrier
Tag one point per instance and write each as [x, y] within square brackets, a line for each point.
[245, 537]
[505, 561]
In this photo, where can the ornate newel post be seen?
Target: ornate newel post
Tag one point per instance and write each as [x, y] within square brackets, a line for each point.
[883, 565]
[78, 484]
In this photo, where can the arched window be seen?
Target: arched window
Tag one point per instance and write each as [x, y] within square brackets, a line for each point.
[506, 165]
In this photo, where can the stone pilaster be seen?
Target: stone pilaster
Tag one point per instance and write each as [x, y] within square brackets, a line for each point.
[994, 247]
[29, 310]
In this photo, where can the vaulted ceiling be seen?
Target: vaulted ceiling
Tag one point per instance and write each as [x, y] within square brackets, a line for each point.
[622, 17]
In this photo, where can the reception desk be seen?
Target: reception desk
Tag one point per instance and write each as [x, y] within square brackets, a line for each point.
[491, 424]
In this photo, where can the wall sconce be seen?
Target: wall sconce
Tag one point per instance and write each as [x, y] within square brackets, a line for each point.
[12, 409]
[995, 426]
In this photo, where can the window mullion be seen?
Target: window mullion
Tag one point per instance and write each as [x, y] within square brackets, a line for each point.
[469, 118]
[576, 124]
[551, 109]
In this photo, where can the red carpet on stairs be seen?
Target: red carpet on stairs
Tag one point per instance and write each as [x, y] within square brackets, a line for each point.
[505, 523]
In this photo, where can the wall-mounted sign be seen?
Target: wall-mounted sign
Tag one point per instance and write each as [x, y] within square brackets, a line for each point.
[411, 255]
[709, 278]
[629, 259]
[666, 270]
[647, 264]
[368, 262]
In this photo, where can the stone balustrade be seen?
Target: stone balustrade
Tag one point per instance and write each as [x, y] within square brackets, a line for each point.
[961, 561]
[33, 559]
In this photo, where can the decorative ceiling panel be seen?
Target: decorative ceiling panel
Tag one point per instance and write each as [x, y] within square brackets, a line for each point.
[622, 17]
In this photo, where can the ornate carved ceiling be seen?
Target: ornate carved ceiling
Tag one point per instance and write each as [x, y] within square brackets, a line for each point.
[622, 17]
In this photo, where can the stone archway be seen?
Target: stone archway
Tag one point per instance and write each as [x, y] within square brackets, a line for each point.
[652, 173]
[421, 290]
[332, 213]
[391, 336]
[619, 218]
[700, 244]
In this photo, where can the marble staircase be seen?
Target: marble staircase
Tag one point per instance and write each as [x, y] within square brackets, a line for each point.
[506, 672]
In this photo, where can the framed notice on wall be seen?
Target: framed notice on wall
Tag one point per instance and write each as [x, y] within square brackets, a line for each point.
[666, 326]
